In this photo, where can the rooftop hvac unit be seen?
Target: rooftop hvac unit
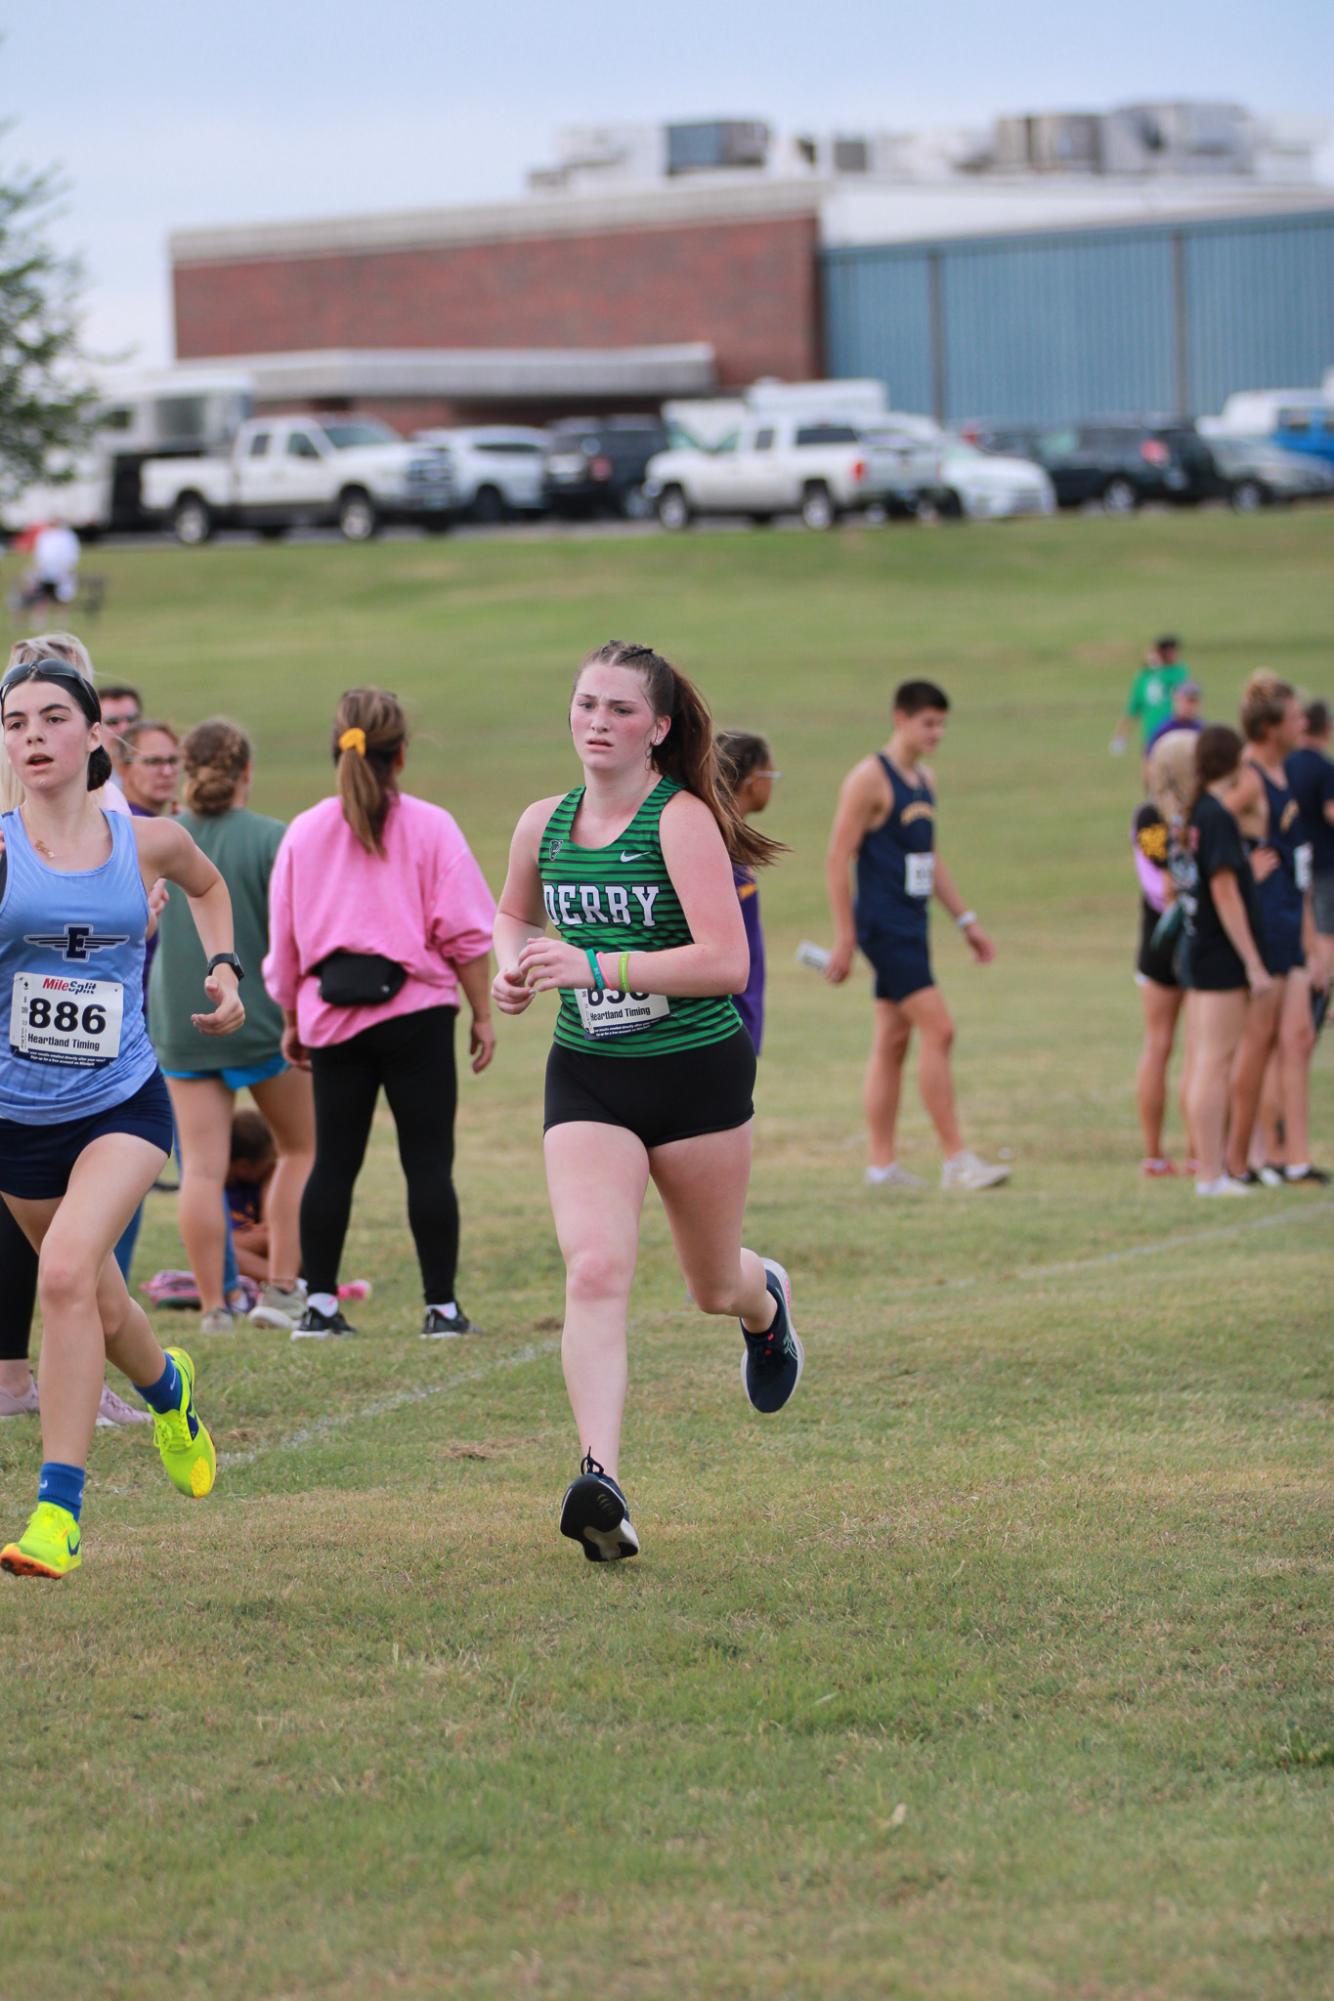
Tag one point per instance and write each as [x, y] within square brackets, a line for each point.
[715, 143]
[851, 155]
[1180, 138]
[1050, 142]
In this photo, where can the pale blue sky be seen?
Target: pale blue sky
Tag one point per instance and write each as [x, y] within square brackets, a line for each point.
[169, 113]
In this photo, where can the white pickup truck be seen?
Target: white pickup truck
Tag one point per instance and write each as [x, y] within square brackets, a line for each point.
[296, 472]
[816, 467]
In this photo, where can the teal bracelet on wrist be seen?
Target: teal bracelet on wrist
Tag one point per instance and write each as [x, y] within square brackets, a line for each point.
[595, 969]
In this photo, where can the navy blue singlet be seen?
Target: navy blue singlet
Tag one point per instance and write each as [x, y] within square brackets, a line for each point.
[896, 865]
[1281, 893]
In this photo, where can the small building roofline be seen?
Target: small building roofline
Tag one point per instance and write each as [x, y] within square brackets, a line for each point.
[497, 374]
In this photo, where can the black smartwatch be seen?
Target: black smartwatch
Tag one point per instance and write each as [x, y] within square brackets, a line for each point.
[226, 959]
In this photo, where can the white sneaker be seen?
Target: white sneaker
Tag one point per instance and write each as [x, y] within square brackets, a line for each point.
[1225, 1185]
[893, 1177]
[966, 1173]
[113, 1410]
[25, 1405]
[278, 1306]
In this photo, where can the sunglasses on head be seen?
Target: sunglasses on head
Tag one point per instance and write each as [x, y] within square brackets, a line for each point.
[65, 676]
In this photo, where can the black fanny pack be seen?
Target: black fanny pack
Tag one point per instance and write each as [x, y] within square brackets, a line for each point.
[358, 979]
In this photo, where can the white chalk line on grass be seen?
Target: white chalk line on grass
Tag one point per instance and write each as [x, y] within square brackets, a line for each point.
[325, 1427]
[1183, 1240]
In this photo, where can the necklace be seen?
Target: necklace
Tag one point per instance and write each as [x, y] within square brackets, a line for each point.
[37, 841]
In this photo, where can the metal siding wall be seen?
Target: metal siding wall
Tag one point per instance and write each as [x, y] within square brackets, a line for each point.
[1083, 324]
[1075, 327]
[878, 306]
[1261, 307]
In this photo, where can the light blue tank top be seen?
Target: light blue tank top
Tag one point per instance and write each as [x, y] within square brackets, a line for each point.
[72, 1035]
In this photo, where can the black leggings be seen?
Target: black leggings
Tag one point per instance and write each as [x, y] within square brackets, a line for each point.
[18, 1289]
[412, 1055]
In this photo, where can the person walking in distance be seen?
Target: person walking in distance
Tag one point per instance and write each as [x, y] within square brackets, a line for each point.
[84, 1119]
[378, 915]
[650, 1075]
[1149, 703]
[885, 830]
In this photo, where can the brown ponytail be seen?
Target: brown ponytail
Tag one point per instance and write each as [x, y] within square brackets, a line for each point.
[687, 751]
[1217, 755]
[369, 735]
[215, 756]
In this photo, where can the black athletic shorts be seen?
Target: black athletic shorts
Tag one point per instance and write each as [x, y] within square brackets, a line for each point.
[1157, 962]
[657, 1098]
[36, 1161]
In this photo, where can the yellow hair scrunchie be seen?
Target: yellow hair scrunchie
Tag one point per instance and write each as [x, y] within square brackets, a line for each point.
[353, 740]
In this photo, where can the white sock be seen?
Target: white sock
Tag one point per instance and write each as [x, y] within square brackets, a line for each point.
[1296, 1169]
[880, 1173]
[324, 1302]
[449, 1311]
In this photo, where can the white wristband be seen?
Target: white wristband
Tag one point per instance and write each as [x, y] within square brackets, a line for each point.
[968, 917]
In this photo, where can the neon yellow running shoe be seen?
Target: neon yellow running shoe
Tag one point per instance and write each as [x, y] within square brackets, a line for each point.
[183, 1441]
[49, 1547]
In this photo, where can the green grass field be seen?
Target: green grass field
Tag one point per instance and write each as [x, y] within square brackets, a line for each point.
[999, 1666]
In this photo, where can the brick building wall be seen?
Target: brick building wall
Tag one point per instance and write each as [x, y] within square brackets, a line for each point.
[749, 287]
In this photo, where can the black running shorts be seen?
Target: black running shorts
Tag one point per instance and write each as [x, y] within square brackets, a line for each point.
[658, 1098]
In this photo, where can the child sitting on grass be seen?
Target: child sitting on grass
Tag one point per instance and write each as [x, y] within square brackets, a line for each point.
[249, 1171]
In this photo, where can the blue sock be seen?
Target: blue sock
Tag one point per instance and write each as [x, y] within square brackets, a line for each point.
[61, 1484]
[165, 1393]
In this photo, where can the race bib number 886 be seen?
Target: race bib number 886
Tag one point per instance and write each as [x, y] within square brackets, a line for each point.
[77, 1022]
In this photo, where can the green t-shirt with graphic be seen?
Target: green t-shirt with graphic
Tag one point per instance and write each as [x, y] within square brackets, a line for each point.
[1151, 695]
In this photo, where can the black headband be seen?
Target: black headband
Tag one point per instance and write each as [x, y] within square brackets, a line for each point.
[55, 670]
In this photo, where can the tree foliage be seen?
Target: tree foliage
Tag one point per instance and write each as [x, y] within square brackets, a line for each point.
[45, 399]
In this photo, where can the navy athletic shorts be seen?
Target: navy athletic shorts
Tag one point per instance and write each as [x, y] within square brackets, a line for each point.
[1282, 949]
[659, 1099]
[902, 965]
[36, 1161]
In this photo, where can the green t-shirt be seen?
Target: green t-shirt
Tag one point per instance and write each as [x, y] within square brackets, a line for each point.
[241, 845]
[622, 899]
[1151, 695]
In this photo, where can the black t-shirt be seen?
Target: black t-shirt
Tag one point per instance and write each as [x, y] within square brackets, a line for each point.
[1216, 843]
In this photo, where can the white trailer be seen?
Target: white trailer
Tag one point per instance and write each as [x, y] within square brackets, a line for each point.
[168, 413]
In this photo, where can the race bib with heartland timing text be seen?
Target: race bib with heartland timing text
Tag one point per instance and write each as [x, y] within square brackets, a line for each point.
[616, 1013]
[76, 1022]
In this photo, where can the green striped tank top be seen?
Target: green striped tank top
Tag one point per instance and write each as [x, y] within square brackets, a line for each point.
[621, 899]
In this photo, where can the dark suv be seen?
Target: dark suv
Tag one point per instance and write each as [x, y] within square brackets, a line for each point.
[1120, 463]
[595, 465]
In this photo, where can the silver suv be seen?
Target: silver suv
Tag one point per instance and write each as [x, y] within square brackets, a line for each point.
[497, 469]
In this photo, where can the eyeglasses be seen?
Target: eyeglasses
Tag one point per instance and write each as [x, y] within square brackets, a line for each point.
[155, 763]
[766, 774]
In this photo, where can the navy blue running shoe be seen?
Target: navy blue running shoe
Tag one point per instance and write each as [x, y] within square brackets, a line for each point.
[594, 1513]
[772, 1363]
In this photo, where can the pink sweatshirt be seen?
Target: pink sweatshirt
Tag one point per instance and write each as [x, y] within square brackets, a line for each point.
[426, 906]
